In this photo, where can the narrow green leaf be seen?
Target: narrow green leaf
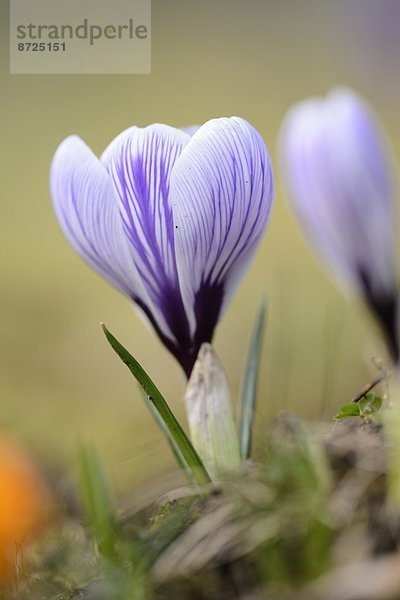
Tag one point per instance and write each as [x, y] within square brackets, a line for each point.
[97, 500]
[178, 439]
[248, 394]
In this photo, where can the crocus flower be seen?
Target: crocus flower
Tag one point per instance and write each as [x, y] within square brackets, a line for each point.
[171, 220]
[340, 181]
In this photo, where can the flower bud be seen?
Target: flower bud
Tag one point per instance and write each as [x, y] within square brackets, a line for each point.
[212, 427]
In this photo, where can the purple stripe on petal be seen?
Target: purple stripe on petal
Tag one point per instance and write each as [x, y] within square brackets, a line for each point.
[221, 195]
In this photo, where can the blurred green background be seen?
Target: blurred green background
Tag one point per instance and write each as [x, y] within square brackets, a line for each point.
[60, 381]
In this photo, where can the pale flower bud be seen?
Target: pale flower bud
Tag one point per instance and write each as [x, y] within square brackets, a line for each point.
[211, 423]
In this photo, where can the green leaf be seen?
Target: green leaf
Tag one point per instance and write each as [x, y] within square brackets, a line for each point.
[97, 500]
[180, 443]
[348, 410]
[248, 394]
[370, 405]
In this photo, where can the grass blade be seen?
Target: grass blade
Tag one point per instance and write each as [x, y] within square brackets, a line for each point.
[97, 501]
[180, 443]
[247, 399]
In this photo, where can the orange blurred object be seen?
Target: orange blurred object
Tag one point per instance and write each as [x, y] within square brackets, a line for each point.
[25, 504]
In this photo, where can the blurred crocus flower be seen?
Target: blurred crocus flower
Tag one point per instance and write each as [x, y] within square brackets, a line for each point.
[339, 173]
[171, 220]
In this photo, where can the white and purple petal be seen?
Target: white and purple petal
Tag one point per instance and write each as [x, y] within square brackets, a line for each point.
[221, 195]
[86, 206]
[84, 203]
[140, 162]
